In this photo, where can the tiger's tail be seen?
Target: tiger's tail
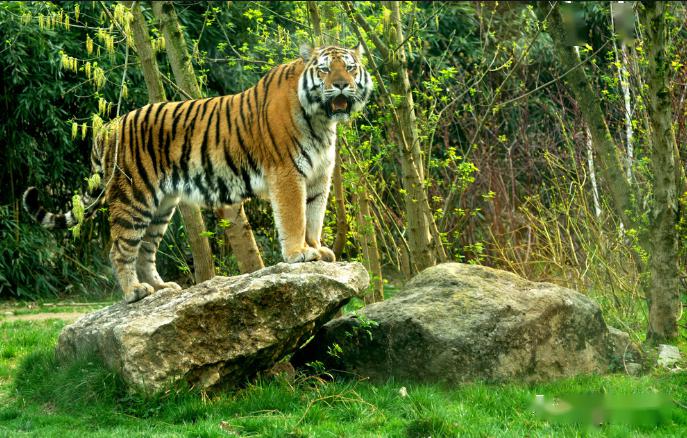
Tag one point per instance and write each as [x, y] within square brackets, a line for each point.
[90, 199]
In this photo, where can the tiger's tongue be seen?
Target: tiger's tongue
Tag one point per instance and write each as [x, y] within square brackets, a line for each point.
[339, 103]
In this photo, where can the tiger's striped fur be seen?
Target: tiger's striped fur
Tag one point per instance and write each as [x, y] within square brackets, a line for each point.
[275, 140]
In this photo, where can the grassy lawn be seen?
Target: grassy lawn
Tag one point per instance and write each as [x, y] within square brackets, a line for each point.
[39, 397]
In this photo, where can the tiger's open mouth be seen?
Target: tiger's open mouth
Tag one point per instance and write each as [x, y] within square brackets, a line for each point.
[339, 104]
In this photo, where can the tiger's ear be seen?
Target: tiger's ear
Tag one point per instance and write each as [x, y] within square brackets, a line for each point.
[306, 51]
[359, 50]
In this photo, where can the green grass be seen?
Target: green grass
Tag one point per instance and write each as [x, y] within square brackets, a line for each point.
[40, 397]
[8, 308]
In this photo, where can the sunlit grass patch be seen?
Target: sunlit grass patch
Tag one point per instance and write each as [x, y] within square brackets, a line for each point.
[19, 338]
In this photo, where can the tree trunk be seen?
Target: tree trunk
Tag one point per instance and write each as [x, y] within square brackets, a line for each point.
[663, 297]
[340, 203]
[193, 220]
[629, 131]
[623, 76]
[590, 107]
[419, 233]
[238, 234]
[151, 72]
[177, 52]
[314, 13]
[367, 236]
[590, 161]
[423, 235]
[368, 240]
[592, 171]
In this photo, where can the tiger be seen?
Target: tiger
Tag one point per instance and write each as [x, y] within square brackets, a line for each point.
[275, 140]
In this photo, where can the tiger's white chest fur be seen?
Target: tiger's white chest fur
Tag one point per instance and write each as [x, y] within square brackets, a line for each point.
[319, 144]
[323, 160]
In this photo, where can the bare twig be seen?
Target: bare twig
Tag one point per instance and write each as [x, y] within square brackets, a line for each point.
[175, 86]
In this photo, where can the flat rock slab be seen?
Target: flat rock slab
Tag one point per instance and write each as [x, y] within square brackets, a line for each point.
[456, 322]
[220, 332]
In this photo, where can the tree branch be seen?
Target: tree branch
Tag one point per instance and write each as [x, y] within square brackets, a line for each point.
[383, 49]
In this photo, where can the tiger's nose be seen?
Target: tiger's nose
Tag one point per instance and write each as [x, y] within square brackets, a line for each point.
[341, 84]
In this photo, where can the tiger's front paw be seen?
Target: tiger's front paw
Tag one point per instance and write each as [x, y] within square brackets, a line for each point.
[138, 291]
[167, 285]
[326, 254]
[306, 254]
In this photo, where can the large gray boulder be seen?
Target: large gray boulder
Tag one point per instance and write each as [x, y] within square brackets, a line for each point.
[220, 332]
[456, 322]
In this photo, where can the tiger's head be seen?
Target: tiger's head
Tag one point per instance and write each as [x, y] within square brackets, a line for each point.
[334, 81]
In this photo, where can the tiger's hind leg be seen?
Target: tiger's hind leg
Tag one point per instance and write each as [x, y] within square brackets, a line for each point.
[145, 264]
